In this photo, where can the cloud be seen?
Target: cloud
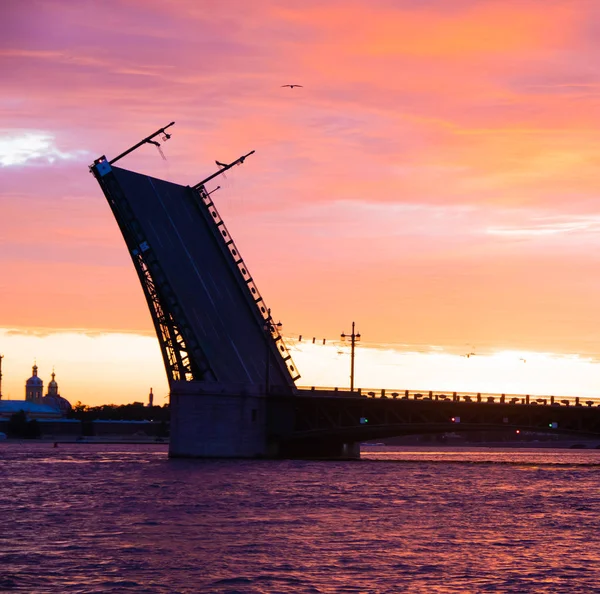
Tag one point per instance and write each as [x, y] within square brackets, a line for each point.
[33, 148]
[549, 226]
[89, 333]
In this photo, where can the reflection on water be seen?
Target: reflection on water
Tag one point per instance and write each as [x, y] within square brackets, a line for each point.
[483, 455]
[99, 518]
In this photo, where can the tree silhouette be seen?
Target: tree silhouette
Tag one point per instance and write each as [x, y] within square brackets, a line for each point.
[19, 426]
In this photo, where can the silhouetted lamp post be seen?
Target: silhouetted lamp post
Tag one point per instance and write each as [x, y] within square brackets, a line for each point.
[354, 338]
[269, 329]
[1, 357]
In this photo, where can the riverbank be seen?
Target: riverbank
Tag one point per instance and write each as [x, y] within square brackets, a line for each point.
[91, 440]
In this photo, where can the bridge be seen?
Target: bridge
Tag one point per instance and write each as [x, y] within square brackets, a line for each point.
[232, 380]
[326, 418]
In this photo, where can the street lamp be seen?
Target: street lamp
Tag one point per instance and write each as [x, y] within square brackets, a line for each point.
[269, 328]
[354, 338]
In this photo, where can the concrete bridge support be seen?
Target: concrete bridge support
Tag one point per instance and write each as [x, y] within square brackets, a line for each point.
[216, 421]
[212, 420]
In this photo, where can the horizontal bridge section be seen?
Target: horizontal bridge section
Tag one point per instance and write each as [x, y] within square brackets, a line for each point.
[359, 418]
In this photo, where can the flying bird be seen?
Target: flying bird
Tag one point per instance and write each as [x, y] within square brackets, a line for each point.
[291, 86]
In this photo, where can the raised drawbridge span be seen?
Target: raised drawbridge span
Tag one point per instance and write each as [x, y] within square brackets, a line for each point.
[221, 349]
[211, 321]
[231, 377]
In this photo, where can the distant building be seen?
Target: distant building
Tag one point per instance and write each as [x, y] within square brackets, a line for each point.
[54, 399]
[34, 387]
[33, 410]
[36, 405]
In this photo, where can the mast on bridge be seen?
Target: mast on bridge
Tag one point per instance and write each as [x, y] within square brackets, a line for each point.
[354, 338]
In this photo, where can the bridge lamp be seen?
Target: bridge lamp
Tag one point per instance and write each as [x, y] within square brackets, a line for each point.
[363, 420]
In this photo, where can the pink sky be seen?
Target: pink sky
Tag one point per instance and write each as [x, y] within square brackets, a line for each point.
[435, 179]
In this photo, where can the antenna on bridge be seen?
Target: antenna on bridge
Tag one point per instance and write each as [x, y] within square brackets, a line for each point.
[147, 140]
[223, 169]
[354, 338]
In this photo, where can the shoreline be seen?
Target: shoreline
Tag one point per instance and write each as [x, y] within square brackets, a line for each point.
[89, 441]
[509, 445]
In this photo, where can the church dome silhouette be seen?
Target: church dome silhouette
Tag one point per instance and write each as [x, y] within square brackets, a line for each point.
[34, 380]
[34, 386]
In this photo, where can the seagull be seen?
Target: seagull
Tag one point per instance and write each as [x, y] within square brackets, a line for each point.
[291, 86]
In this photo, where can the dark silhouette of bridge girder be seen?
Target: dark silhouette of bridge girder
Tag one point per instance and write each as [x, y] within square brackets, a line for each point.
[207, 311]
[322, 416]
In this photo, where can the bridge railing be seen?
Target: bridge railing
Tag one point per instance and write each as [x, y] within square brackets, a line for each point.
[255, 296]
[451, 396]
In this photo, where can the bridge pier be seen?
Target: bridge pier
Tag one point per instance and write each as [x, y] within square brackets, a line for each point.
[217, 421]
[212, 420]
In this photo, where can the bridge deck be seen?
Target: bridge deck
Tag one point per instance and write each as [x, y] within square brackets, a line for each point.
[209, 287]
[349, 416]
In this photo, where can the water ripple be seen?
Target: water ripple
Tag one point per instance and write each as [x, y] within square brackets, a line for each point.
[90, 518]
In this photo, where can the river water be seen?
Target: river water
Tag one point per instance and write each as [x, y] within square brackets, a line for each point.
[125, 518]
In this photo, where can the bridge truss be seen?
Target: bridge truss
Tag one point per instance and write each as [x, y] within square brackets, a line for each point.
[211, 322]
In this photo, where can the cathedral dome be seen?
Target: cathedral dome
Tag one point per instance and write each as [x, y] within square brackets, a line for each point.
[34, 386]
[53, 386]
[54, 399]
[34, 380]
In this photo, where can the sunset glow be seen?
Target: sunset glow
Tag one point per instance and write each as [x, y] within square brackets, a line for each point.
[434, 180]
